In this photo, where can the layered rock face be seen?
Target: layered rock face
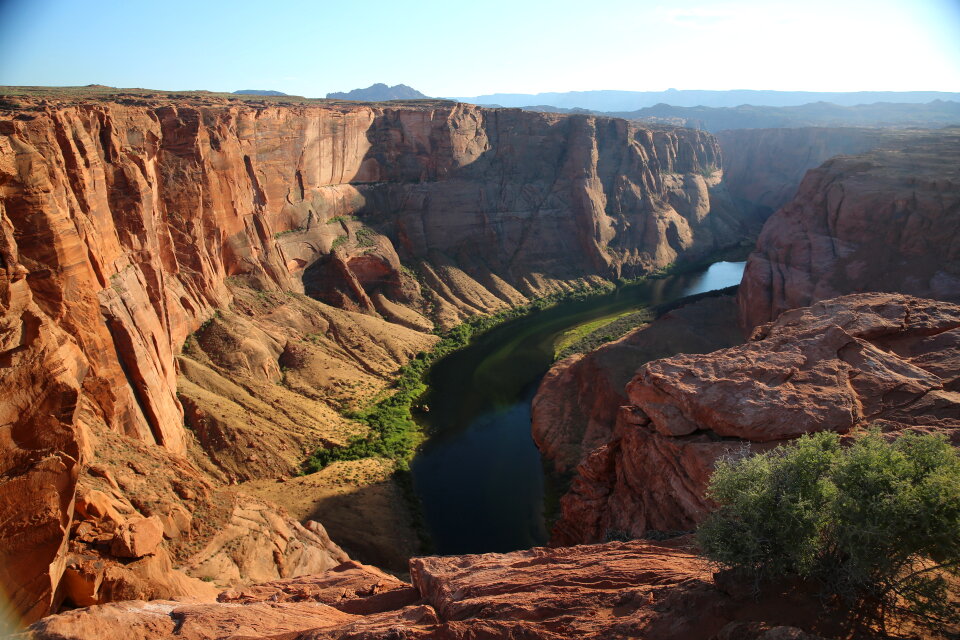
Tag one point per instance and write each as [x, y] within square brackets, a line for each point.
[763, 167]
[624, 589]
[154, 256]
[840, 365]
[881, 221]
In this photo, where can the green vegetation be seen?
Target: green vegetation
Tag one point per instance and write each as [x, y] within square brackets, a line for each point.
[339, 240]
[708, 170]
[876, 524]
[280, 234]
[341, 219]
[191, 340]
[393, 432]
[365, 237]
[590, 335]
[395, 435]
[573, 336]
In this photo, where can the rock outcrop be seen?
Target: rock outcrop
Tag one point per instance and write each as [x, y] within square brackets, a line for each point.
[657, 591]
[840, 365]
[881, 221]
[249, 268]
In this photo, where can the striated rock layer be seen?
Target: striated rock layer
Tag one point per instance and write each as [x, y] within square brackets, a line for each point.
[250, 269]
[657, 591]
[881, 221]
[840, 365]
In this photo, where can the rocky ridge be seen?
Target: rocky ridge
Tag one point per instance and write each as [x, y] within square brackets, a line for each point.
[247, 268]
[576, 406]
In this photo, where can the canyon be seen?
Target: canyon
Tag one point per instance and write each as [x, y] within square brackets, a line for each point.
[195, 290]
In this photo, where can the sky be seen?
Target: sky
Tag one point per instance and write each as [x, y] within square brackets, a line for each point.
[460, 49]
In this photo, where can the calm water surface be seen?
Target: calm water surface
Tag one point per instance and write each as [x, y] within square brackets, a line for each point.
[479, 476]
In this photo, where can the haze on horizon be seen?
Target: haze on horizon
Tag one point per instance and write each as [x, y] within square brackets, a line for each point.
[499, 46]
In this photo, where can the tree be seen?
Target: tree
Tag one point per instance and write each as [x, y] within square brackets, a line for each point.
[876, 523]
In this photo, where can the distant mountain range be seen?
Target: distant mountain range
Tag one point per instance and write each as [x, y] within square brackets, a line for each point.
[258, 92]
[379, 92]
[632, 100]
[937, 113]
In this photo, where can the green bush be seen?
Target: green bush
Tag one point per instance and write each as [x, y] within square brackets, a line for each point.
[877, 524]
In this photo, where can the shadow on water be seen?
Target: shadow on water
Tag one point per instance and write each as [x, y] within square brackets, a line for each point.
[479, 476]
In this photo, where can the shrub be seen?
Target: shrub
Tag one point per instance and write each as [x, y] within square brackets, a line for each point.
[877, 524]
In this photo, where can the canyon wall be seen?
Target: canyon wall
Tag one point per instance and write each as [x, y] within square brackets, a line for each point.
[880, 221]
[250, 269]
[576, 406]
[763, 167]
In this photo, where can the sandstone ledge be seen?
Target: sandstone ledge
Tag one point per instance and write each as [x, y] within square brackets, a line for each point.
[657, 591]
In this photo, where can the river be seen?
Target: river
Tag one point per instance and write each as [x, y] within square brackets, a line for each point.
[479, 476]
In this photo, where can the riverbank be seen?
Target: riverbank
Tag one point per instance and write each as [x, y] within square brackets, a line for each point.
[345, 493]
[395, 434]
[479, 475]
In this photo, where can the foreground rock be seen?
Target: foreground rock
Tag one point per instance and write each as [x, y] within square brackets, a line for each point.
[657, 591]
[839, 365]
[881, 221]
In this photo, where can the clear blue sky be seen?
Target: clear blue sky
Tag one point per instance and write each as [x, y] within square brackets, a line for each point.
[453, 48]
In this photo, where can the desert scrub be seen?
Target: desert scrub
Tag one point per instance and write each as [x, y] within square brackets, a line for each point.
[365, 237]
[876, 524]
[280, 234]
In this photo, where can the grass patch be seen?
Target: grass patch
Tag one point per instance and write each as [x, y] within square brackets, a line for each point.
[590, 335]
[576, 334]
[365, 237]
[280, 234]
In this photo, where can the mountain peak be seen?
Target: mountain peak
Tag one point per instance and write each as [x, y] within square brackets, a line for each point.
[379, 92]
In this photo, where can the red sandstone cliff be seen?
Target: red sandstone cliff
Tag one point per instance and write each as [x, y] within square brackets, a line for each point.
[881, 221]
[576, 405]
[154, 255]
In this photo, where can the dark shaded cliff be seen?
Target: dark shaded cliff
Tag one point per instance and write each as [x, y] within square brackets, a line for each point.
[764, 167]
